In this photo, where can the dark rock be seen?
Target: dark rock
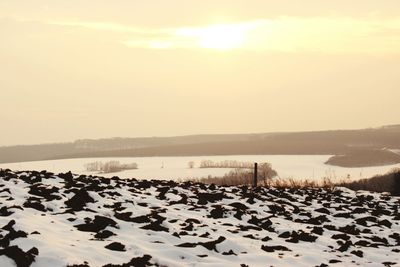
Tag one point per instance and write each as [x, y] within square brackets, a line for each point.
[349, 229]
[44, 191]
[345, 246]
[385, 223]
[285, 235]
[11, 235]
[134, 262]
[323, 210]
[362, 243]
[79, 265]
[395, 236]
[388, 263]
[163, 191]
[358, 253]
[264, 223]
[274, 248]
[35, 205]
[21, 258]
[317, 230]
[9, 226]
[156, 226]
[79, 200]
[267, 238]
[187, 245]
[341, 236]
[239, 206]
[104, 234]
[211, 245]
[378, 239]
[230, 252]
[359, 210]
[363, 221]
[217, 212]
[191, 220]
[205, 235]
[116, 246]
[126, 216]
[189, 227]
[99, 223]
[4, 212]
[204, 198]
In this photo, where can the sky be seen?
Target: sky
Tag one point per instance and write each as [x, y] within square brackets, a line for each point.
[74, 69]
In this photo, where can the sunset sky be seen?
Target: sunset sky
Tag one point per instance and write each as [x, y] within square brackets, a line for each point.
[74, 69]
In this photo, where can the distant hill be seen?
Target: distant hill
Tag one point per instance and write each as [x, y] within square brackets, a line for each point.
[351, 143]
[363, 158]
[22, 153]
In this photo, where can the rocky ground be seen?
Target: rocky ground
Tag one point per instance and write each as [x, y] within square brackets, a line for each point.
[56, 220]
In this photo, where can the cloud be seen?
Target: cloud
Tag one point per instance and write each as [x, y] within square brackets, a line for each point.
[284, 34]
[108, 26]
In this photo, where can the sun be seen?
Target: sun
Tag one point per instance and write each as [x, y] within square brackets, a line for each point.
[217, 37]
[221, 37]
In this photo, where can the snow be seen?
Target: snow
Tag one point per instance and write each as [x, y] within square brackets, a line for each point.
[176, 168]
[61, 243]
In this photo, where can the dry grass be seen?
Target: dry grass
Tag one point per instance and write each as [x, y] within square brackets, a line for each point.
[298, 184]
[243, 177]
[389, 182]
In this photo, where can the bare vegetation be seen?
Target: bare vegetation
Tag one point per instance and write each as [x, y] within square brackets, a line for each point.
[238, 177]
[241, 176]
[109, 167]
[389, 182]
[191, 164]
[226, 164]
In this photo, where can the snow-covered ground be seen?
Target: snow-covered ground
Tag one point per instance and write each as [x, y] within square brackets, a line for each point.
[176, 168]
[63, 220]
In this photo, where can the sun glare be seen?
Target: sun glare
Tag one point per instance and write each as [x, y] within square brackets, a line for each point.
[222, 37]
[219, 37]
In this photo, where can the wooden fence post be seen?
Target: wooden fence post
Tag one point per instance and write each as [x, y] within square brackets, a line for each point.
[255, 175]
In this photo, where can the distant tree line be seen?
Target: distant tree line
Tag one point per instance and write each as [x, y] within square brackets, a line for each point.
[233, 164]
[243, 176]
[109, 167]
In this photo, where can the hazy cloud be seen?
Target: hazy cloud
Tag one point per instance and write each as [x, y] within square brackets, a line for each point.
[287, 34]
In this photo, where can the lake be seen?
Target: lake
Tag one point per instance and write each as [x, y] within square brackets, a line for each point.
[176, 168]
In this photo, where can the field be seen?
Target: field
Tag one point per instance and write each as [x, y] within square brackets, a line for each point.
[50, 220]
[176, 168]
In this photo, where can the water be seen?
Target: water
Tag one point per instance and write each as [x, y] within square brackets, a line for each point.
[176, 168]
